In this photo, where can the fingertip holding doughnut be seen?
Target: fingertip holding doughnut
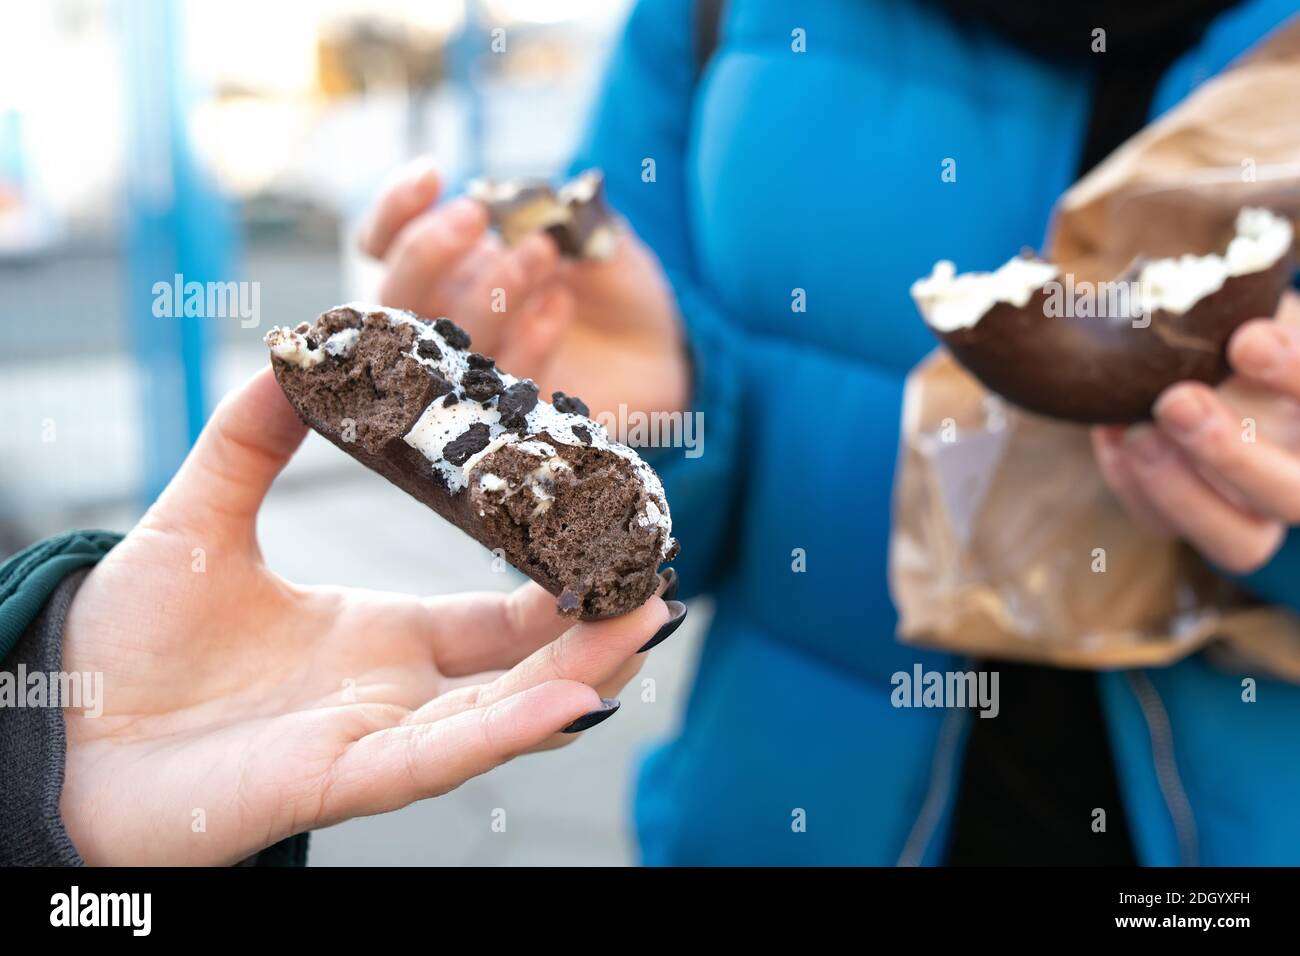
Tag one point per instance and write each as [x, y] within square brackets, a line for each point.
[1185, 409]
[676, 615]
[1262, 349]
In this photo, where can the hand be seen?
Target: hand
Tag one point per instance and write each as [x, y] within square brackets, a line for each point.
[240, 709]
[1220, 468]
[605, 331]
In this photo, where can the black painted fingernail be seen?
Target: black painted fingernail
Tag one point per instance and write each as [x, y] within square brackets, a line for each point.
[587, 721]
[670, 583]
[678, 611]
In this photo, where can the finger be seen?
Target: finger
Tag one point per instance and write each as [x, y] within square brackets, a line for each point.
[396, 766]
[608, 690]
[426, 249]
[488, 630]
[1266, 477]
[538, 331]
[249, 438]
[1268, 352]
[1235, 540]
[505, 284]
[590, 652]
[412, 190]
[614, 685]
[1112, 460]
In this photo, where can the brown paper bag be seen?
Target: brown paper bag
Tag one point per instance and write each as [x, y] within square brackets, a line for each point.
[1006, 541]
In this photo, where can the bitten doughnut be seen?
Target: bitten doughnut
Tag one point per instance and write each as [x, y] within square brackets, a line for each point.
[1110, 365]
[579, 513]
[575, 215]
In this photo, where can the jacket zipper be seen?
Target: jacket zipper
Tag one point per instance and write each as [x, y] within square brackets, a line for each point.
[936, 797]
[1162, 752]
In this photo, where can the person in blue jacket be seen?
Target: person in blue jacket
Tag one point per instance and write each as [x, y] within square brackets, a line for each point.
[781, 174]
[780, 169]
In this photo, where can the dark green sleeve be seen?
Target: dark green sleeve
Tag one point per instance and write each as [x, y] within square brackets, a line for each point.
[36, 589]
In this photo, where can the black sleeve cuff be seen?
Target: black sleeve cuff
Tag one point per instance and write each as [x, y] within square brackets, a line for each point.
[32, 747]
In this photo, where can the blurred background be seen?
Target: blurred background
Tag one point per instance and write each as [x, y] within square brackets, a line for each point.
[241, 140]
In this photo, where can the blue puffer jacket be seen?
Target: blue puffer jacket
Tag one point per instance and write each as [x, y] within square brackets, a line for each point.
[820, 171]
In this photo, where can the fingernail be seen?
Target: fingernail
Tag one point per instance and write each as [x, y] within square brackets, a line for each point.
[1261, 352]
[669, 577]
[1146, 445]
[463, 215]
[677, 610]
[587, 721]
[1184, 410]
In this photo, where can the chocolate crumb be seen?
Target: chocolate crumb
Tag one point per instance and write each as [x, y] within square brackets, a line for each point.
[452, 333]
[481, 384]
[570, 404]
[440, 385]
[476, 360]
[580, 432]
[428, 348]
[515, 403]
[312, 344]
[343, 317]
[469, 443]
[451, 399]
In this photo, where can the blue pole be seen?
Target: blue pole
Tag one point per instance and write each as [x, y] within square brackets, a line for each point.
[176, 223]
[467, 50]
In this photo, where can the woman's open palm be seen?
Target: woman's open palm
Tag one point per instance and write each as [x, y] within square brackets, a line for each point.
[239, 709]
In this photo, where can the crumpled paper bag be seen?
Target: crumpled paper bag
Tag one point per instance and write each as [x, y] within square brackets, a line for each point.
[1006, 541]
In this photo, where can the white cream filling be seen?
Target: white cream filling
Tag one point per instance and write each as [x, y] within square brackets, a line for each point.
[949, 301]
[292, 346]
[342, 342]
[440, 424]
[1176, 285]
[582, 187]
[536, 481]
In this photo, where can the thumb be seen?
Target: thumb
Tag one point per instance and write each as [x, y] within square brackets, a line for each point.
[249, 439]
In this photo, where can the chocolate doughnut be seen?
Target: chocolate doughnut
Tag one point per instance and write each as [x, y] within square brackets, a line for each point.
[575, 215]
[1158, 323]
[579, 513]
